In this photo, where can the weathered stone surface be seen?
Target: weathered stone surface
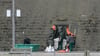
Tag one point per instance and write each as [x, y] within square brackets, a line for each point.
[38, 16]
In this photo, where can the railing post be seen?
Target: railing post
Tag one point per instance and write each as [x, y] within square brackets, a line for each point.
[87, 53]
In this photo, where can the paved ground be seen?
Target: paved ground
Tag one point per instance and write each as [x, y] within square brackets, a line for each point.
[51, 54]
[44, 54]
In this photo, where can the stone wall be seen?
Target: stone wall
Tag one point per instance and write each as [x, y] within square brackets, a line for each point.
[37, 16]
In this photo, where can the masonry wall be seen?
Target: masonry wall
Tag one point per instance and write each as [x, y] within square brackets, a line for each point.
[37, 16]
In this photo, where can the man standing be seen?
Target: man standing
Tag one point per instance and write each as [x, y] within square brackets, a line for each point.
[62, 36]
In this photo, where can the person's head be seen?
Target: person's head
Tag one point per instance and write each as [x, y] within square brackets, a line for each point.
[67, 25]
[53, 27]
[69, 34]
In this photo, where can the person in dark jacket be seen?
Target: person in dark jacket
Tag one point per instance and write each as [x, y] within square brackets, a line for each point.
[50, 40]
[27, 40]
[52, 36]
[62, 36]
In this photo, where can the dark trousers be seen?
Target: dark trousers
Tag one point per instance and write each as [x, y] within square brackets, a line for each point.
[71, 46]
[60, 44]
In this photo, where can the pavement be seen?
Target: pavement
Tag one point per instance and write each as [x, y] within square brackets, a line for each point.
[51, 54]
[44, 54]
